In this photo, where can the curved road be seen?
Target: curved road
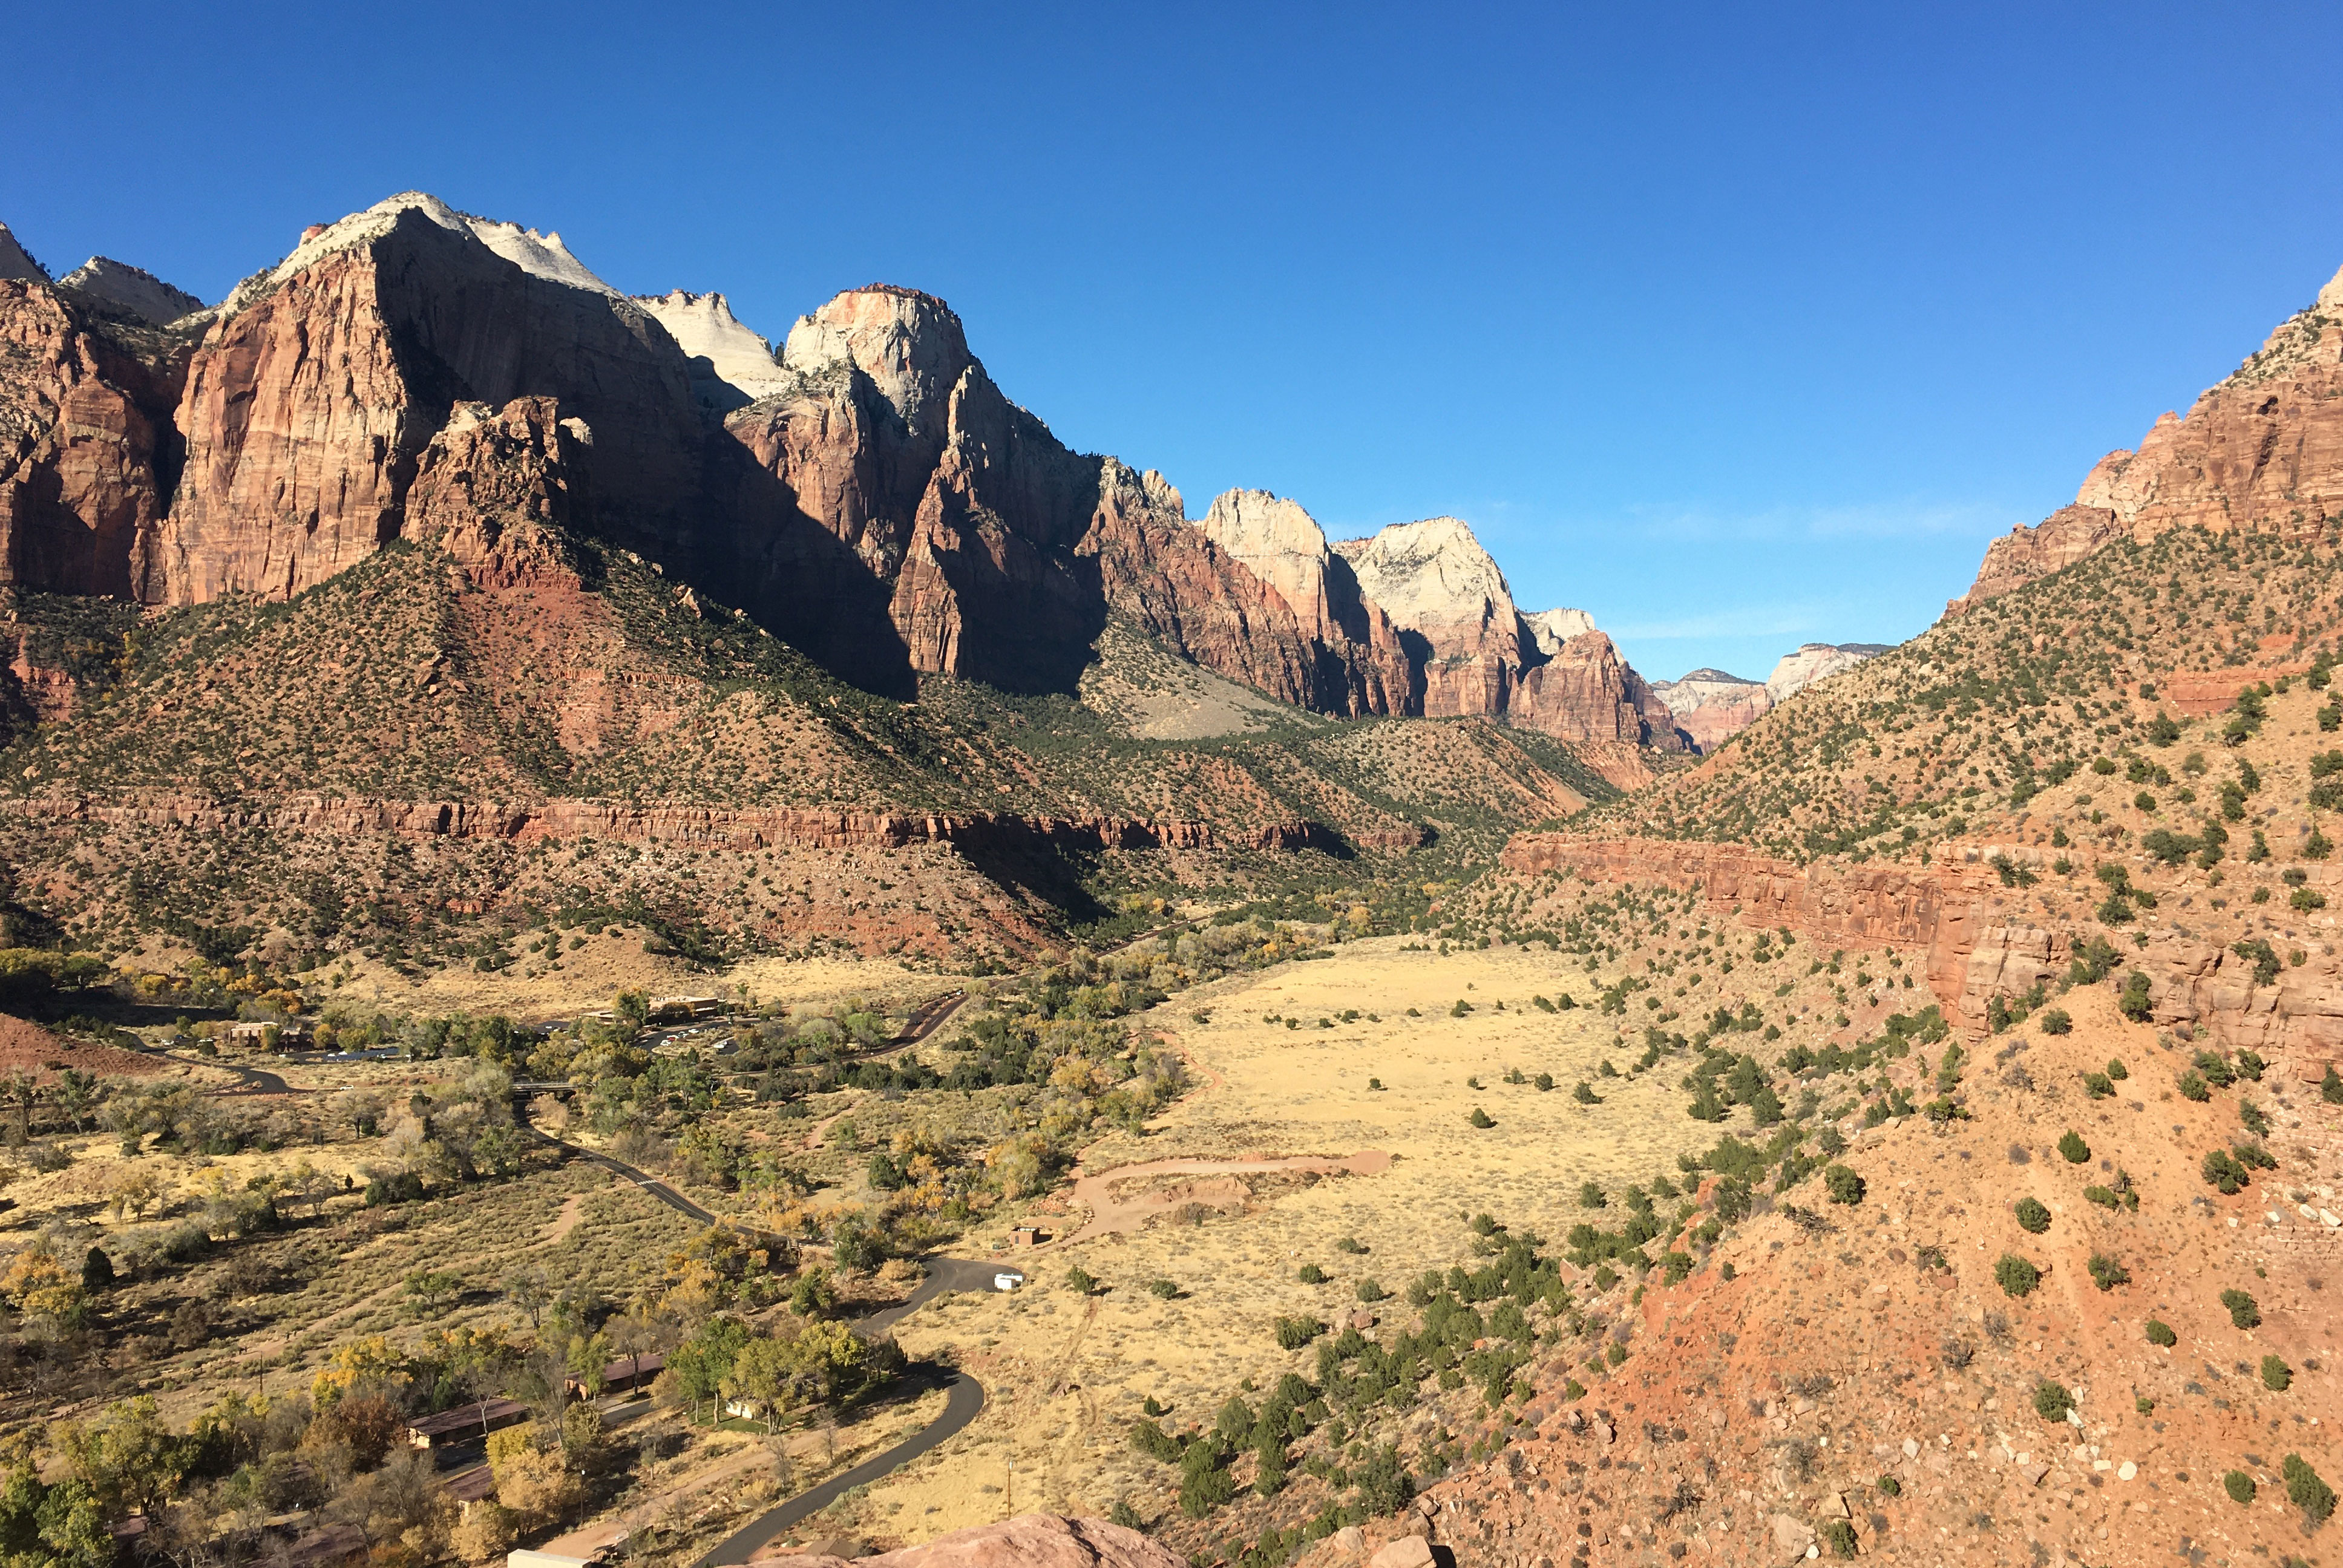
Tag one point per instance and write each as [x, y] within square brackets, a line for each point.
[257, 1080]
[964, 1404]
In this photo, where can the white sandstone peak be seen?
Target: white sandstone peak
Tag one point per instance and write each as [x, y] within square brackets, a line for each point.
[1816, 661]
[909, 344]
[1552, 627]
[134, 288]
[703, 325]
[539, 255]
[1430, 573]
[16, 261]
[1280, 544]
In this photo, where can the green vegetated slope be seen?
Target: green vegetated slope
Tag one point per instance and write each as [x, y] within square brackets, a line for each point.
[397, 682]
[1956, 732]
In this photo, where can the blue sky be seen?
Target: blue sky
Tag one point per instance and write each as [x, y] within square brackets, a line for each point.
[1739, 327]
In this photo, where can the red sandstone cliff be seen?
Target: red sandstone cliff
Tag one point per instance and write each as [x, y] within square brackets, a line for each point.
[86, 452]
[2263, 449]
[316, 389]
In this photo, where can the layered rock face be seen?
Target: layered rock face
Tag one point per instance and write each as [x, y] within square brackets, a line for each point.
[131, 288]
[2262, 450]
[316, 389]
[1711, 706]
[87, 455]
[1816, 661]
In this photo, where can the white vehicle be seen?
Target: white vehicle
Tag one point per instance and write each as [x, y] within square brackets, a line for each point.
[1008, 1280]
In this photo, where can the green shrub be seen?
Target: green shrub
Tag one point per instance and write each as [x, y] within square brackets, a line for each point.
[2015, 1276]
[1480, 1118]
[2244, 1311]
[1888, 1486]
[1371, 1290]
[2240, 1486]
[2330, 1088]
[1154, 1442]
[2052, 1401]
[1590, 1196]
[2306, 1492]
[1844, 1183]
[1312, 1274]
[2055, 1020]
[1838, 1534]
[2117, 1070]
[1292, 1334]
[1163, 1290]
[1081, 1281]
[2192, 1087]
[2072, 1146]
[2104, 1197]
[2160, 1333]
[2106, 1274]
[2276, 1376]
[2222, 1168]
[2098, 1085]
[2032, 1217]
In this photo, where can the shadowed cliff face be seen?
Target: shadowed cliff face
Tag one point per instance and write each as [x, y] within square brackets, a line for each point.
[88, 454]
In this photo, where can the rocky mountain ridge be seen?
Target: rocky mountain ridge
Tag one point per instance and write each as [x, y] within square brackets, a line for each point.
[865, 491]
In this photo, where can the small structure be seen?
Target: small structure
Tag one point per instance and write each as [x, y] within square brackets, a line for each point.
[465, 1423]
[626, 1372]
[1008, 1279]
[290, 1035]
[686, 1005]
[1026, 1236]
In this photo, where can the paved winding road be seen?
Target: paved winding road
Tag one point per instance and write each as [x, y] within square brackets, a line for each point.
[963, 1404]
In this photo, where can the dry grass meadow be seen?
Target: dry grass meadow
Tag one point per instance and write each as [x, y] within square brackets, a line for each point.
[1067, 1375]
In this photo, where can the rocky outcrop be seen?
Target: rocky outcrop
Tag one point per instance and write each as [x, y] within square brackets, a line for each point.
[316, 389]
[2262, 450]
[131, 288]
[498, 490]
[1939, 911]
[995, 550]
[1029, 1541]
[732, 366]
[2024, 554]
[1711, 706]
[87, 451]
[1816, 661]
